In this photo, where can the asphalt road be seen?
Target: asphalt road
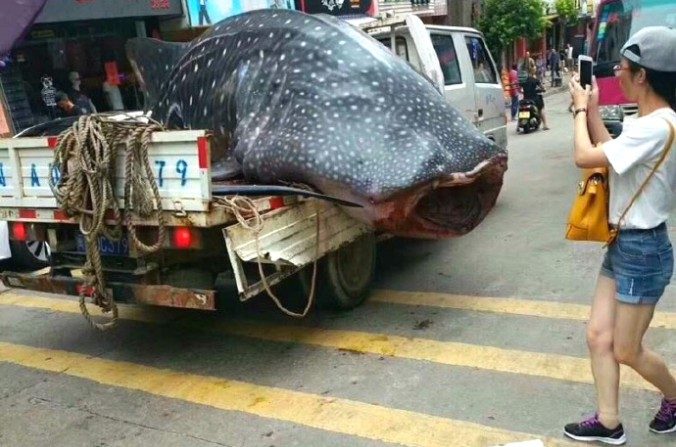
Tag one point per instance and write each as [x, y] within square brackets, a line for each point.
[476, 341]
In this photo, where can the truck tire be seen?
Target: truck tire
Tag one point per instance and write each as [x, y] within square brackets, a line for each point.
[344, 276]
[31, 255]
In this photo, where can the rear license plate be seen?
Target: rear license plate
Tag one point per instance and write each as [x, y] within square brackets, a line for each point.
[106, 246]
[524, 114]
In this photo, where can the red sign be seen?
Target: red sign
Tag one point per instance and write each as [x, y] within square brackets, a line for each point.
[159, 4]
[112, 75]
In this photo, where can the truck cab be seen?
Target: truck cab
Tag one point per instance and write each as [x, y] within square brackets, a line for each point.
[466, 75]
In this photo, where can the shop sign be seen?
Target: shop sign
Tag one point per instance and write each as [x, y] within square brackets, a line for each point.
[418, 7]
[340, 7]
[70, 10]
[112, 73]
[208, 12]
[42, 34]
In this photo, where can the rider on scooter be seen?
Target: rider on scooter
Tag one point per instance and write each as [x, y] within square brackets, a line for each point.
[532, 90]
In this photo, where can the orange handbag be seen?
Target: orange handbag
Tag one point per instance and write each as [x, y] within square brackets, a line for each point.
[588, 219]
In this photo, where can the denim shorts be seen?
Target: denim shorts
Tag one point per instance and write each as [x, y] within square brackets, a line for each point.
[641, 263]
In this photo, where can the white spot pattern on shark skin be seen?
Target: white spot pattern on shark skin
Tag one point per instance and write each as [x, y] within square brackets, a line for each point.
[386, 127]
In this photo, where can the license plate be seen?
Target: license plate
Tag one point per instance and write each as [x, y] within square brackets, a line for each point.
[106, 246]
[524, 114]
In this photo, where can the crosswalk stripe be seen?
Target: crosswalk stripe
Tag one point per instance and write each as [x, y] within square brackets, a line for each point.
[514, 306]
[550, 366]
[323, 412]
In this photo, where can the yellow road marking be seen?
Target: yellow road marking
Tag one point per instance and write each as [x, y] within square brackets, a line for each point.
[551, 366]
[514, 306]
[322, 412]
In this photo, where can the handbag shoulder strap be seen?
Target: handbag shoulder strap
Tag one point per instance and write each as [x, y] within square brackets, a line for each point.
[663, 157]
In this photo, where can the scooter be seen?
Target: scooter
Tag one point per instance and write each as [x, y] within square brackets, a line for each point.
[528, 117]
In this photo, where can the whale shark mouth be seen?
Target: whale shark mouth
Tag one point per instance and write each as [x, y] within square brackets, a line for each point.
[445, 208]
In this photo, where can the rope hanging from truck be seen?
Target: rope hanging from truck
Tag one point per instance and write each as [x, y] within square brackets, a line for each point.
[247, 215]
[86, 158]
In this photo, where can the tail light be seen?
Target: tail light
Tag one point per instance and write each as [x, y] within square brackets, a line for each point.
[19, 231]
[183, 238]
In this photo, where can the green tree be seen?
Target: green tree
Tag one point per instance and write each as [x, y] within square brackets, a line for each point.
[567, 10]
[504, 21]
[568, 14]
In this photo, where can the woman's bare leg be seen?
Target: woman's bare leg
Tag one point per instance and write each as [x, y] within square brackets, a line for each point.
[544, 119]
[605, 368]
[631, 323]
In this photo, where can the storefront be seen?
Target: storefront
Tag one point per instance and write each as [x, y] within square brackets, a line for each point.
[78, 43]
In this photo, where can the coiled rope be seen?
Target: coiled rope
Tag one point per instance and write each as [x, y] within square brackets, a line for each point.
[85, 157]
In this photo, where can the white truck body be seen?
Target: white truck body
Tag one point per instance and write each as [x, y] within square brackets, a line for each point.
[180, 160]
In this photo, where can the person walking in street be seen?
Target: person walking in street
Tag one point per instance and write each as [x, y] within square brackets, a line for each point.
[528, 65]
[555, 65]
[515, 90]
[541, 63]
[569, 56]
[638, 265]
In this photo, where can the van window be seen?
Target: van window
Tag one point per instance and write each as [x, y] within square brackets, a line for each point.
[484, 73]
[402, 48]
[443, 46]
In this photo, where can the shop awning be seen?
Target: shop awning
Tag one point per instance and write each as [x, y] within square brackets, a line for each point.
[15, 20]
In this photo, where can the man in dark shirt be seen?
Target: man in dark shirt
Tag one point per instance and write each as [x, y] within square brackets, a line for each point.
[554, 64]
[532, 90]
[66, 106]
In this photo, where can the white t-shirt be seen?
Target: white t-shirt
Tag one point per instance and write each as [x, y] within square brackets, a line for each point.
[569, 52]
[632, 157]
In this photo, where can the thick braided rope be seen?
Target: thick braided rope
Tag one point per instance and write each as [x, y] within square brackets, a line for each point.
[85, 157]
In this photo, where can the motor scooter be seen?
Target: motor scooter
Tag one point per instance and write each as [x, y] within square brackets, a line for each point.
[528, 117]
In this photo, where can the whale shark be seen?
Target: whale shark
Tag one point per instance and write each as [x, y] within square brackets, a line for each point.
[310, 99]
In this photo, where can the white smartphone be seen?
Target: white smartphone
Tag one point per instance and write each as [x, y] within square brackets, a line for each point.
[585, 65]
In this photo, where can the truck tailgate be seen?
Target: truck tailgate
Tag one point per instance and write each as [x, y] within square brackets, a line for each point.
[179, 159]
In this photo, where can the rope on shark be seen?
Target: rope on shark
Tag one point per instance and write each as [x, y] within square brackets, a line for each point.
[245, 211]
[85, 157]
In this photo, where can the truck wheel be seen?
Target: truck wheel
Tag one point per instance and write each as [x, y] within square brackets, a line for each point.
[344, 277]
[32, 255]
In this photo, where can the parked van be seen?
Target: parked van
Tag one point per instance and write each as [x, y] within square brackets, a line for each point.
[468, 76]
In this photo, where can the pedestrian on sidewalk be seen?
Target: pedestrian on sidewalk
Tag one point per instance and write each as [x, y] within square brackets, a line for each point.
[638, 265]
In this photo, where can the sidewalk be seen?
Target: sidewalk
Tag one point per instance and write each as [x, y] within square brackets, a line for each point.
[565, 78]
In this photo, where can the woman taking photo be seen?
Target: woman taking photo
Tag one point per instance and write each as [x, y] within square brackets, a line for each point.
[638, 265]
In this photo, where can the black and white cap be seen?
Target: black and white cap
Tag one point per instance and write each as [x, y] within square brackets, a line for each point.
[656, 48]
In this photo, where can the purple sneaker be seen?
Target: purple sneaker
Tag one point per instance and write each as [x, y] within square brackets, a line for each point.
[593, 430]
[665, 419]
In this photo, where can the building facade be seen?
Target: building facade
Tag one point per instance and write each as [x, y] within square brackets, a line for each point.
[78, 42]
[78, 46]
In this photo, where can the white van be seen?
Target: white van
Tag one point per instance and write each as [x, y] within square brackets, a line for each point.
[471, 82]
